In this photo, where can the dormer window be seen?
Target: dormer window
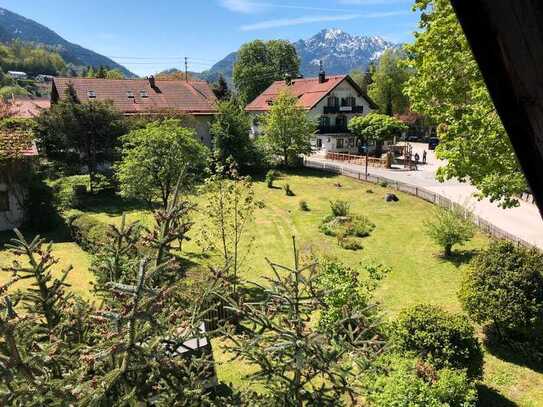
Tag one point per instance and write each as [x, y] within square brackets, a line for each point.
[130, 94]
[91, 94]
[144, 94]
[269, 102]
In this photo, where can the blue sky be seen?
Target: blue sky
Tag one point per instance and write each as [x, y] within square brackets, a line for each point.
[151, 35]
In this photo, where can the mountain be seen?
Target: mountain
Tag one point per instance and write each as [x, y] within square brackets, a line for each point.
[13, 26]
[340, 53]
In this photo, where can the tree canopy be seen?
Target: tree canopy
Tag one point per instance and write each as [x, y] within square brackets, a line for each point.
[448, 88]
[155, 157]
[259, 63]
[387, 83]
[376, 127]
[31, 59]
[287, 128]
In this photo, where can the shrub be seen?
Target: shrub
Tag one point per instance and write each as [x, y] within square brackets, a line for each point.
[358, 226]
[348, 243]
[448, 227]
[288, 191]
[68, 191]
[271, 176]
[438, 337]
[369, 191]
[504, 287]
[384, 184]
[339, 208]
[408, 382]
[260, 204]
[304, 206]
[344, 293]
[88, 232]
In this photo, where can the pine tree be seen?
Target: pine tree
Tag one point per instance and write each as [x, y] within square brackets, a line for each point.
[220, 89]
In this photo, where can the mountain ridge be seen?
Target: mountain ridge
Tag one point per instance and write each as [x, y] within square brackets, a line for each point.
[339, 51]
[16, 27]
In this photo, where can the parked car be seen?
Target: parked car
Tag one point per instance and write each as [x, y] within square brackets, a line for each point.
[432, 143]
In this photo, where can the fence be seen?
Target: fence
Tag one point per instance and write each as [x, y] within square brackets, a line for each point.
[432, 197]
[356, 159]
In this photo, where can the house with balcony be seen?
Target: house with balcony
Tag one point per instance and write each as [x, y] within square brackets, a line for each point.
[330, 101]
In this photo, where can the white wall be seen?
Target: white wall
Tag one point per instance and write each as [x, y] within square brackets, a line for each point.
[15, 216]
[202, 124]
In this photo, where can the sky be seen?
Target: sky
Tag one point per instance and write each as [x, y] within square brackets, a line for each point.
[148, 36]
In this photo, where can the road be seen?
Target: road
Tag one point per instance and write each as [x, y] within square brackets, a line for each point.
[524, 221]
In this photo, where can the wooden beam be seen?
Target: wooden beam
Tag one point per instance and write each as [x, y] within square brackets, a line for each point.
[506, 37]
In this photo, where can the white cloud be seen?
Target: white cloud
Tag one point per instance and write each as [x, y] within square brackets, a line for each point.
[242, 6]
[286, 22]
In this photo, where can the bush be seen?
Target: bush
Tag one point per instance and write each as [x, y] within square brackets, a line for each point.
[384, 184]
[358, 226]
[344, 293]
[369, 191]
[68, 191]
[504, 287]
[40, 215]
[288, 191]
[348, 243]
[304, 206]
[339, 208]
[438, 337]
[448, 227]
[88, 232]
[271, 176]
[408, 382]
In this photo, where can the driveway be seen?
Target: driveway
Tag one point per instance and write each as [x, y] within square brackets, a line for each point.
[524, 221]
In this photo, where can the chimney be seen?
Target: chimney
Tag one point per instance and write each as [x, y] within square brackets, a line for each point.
[322, 74]
[151, 80]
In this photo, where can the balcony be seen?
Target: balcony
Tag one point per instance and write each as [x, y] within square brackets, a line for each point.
[343, 109]
[332, 129]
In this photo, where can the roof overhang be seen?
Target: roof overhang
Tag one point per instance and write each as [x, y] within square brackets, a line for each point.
[506, 37]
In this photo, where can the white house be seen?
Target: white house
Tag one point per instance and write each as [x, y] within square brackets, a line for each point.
[17, 74]
[331, 101]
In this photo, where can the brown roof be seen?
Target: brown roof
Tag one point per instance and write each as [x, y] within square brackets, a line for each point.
[27, 106]
[308, 91]
[16, 143]
[194, 97]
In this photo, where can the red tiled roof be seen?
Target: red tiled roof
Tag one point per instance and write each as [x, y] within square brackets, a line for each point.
[194, 97]
[308, 91]
[16, 143]
[24, 106]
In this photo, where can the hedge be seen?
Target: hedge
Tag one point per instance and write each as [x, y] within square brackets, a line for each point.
[88, 232]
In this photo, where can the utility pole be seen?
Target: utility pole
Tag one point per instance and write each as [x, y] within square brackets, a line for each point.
[186, 70]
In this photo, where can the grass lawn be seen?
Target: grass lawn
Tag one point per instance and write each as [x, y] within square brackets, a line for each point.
[418, 273]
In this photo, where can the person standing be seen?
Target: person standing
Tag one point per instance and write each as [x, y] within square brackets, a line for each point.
[424, 157]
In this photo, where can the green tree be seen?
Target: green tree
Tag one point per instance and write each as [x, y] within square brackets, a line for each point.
[230, 130]
[298, 365]
[88, 129]
[228, 214]
[287, 129]
[449, 227]
[449, 89]
[363, 78]
[259, 63]
[155, 157]
[220, 89]
[504, 287]
[376, 127]
[114, 74]
[388, 82]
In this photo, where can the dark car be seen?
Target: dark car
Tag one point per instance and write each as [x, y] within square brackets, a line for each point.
[432, 143]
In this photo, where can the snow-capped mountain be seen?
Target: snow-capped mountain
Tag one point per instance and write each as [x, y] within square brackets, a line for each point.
[339, 51]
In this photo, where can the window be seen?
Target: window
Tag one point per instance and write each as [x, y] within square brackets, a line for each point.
[339, 143]
[351, 142]
[4, 201]
[341, 122]
[324, 121]
[144, 94]
[333, 101]
[319, 143]
[130, 94]
[91, 94]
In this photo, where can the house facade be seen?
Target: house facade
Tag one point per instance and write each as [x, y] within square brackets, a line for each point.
[330, 101]
[17, 151]
[147, 97]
